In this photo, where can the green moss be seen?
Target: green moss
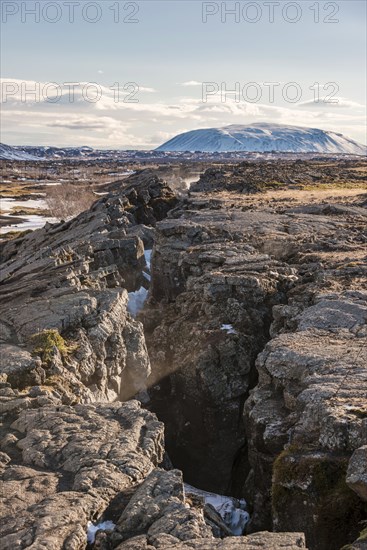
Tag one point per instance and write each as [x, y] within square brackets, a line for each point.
[44, 343]
[362, 535]
[282, 474]
[300, 466]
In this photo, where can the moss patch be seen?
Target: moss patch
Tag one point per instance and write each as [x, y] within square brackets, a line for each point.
[44, 343]
[363, 535]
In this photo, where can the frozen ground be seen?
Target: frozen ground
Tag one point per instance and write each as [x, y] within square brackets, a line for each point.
[29, 221]
[138, 297]
[94, 528]
[232, 510]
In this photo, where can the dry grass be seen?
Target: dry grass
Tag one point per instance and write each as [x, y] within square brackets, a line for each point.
[27, 211]
[15, 191]
[66, 201]
[12, 235]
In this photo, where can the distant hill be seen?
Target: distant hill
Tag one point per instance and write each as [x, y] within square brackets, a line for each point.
[16, 152]
[264, 137]
[12, 153]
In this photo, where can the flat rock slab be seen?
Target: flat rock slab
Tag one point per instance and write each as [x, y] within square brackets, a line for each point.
[74, 461]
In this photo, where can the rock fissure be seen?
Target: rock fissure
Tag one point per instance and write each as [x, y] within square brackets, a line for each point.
[195, 318]
[304, 355]
[249, 348]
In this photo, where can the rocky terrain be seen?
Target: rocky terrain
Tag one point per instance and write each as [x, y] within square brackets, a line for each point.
[246, 369]
[250, 177]
[231, 272]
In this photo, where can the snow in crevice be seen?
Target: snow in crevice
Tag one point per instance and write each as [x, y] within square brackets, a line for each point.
[148, 255]
[138, 297]
[146, 272]
[93, 528]
[232, 511]
[229, 329]
[137, 301]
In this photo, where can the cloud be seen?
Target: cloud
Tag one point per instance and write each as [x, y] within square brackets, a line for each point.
[84, 95]
[149, 122]
[159, 137]
[191, 83]
[85, 124]
[147, 90]
[330, 103]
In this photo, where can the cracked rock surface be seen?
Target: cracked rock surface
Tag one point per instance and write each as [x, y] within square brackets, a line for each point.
[283, 423]
[255, 326]
[62, 466]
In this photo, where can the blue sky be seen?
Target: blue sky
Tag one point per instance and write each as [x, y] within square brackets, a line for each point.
[169, 53]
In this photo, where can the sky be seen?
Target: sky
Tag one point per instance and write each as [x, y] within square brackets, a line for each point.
[131, 75]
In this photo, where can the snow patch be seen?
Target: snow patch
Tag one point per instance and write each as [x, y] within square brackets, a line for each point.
[7, 152]
[136, 301]
[93, 528]
[7, 204]
[148, 256]
[229, 329]
[31, 222]
[138, 297]
[232, 511]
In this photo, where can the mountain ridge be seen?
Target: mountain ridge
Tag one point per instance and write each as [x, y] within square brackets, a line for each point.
[263, 137]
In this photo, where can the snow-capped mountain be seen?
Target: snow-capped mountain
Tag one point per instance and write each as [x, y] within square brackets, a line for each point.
[12, 153]
[17, 152]
[263, 137]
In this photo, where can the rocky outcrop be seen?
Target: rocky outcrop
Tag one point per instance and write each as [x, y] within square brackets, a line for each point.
[357, 467]
[62, 466]
[229, 273]
[311, 399]
[216, 292]
[257, 541]
[253, 177]
[255, 327]
[158, 507]
[67, 339]
[74, 278]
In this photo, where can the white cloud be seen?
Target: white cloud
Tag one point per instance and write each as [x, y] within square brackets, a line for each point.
[326, 102]
[85, 123]
[147, 90]
[148, 123]
[191, 83]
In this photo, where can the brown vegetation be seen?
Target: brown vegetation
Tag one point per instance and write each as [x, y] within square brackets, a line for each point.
[66, 201]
